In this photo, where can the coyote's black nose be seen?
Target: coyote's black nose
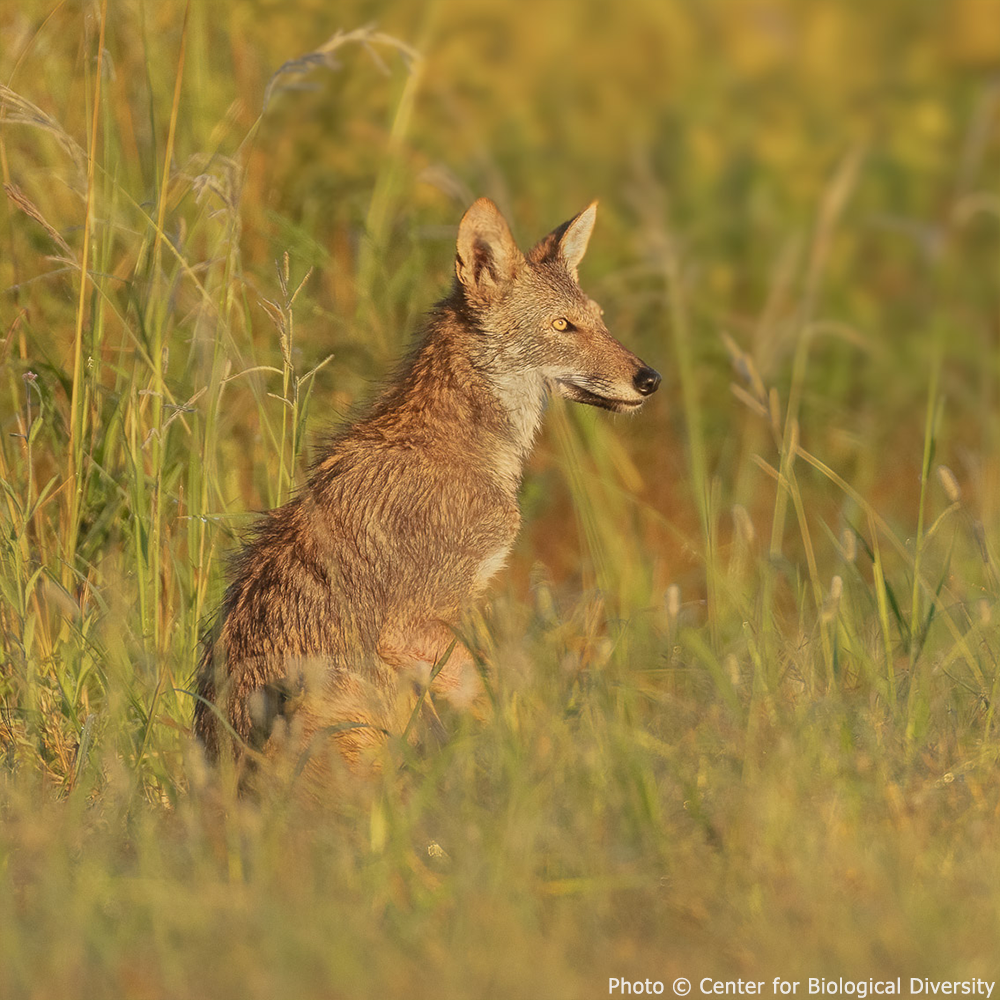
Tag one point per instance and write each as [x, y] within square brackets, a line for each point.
[646, 381]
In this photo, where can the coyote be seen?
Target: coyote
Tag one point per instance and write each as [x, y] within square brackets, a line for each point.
[345, 599]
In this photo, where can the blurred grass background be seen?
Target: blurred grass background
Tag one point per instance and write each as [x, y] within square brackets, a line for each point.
[745, 652]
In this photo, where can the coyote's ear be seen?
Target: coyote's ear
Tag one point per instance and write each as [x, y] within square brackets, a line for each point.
[567, 242]
[487, 256]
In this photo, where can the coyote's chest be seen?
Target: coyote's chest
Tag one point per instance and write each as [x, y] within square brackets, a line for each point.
[491, 565]
[497, 531]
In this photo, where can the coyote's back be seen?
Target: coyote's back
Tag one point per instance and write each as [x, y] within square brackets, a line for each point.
[345, 598]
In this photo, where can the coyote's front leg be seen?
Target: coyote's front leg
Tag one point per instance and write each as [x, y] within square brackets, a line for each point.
[417, 651]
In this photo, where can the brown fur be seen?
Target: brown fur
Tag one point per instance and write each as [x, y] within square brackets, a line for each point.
[347, 594]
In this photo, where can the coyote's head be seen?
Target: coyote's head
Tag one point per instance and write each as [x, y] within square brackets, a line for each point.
[537, 327]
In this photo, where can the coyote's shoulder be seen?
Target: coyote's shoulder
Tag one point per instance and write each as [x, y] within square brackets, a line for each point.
[352, 589]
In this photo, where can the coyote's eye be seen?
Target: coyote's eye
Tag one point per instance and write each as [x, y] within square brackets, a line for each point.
[562, 325]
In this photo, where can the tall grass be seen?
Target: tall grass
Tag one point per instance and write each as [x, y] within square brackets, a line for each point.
[743, 663]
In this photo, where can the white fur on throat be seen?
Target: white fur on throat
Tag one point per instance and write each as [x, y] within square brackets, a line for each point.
[523, 396]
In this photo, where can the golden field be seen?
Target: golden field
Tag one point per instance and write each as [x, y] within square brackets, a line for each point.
[744, 660]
